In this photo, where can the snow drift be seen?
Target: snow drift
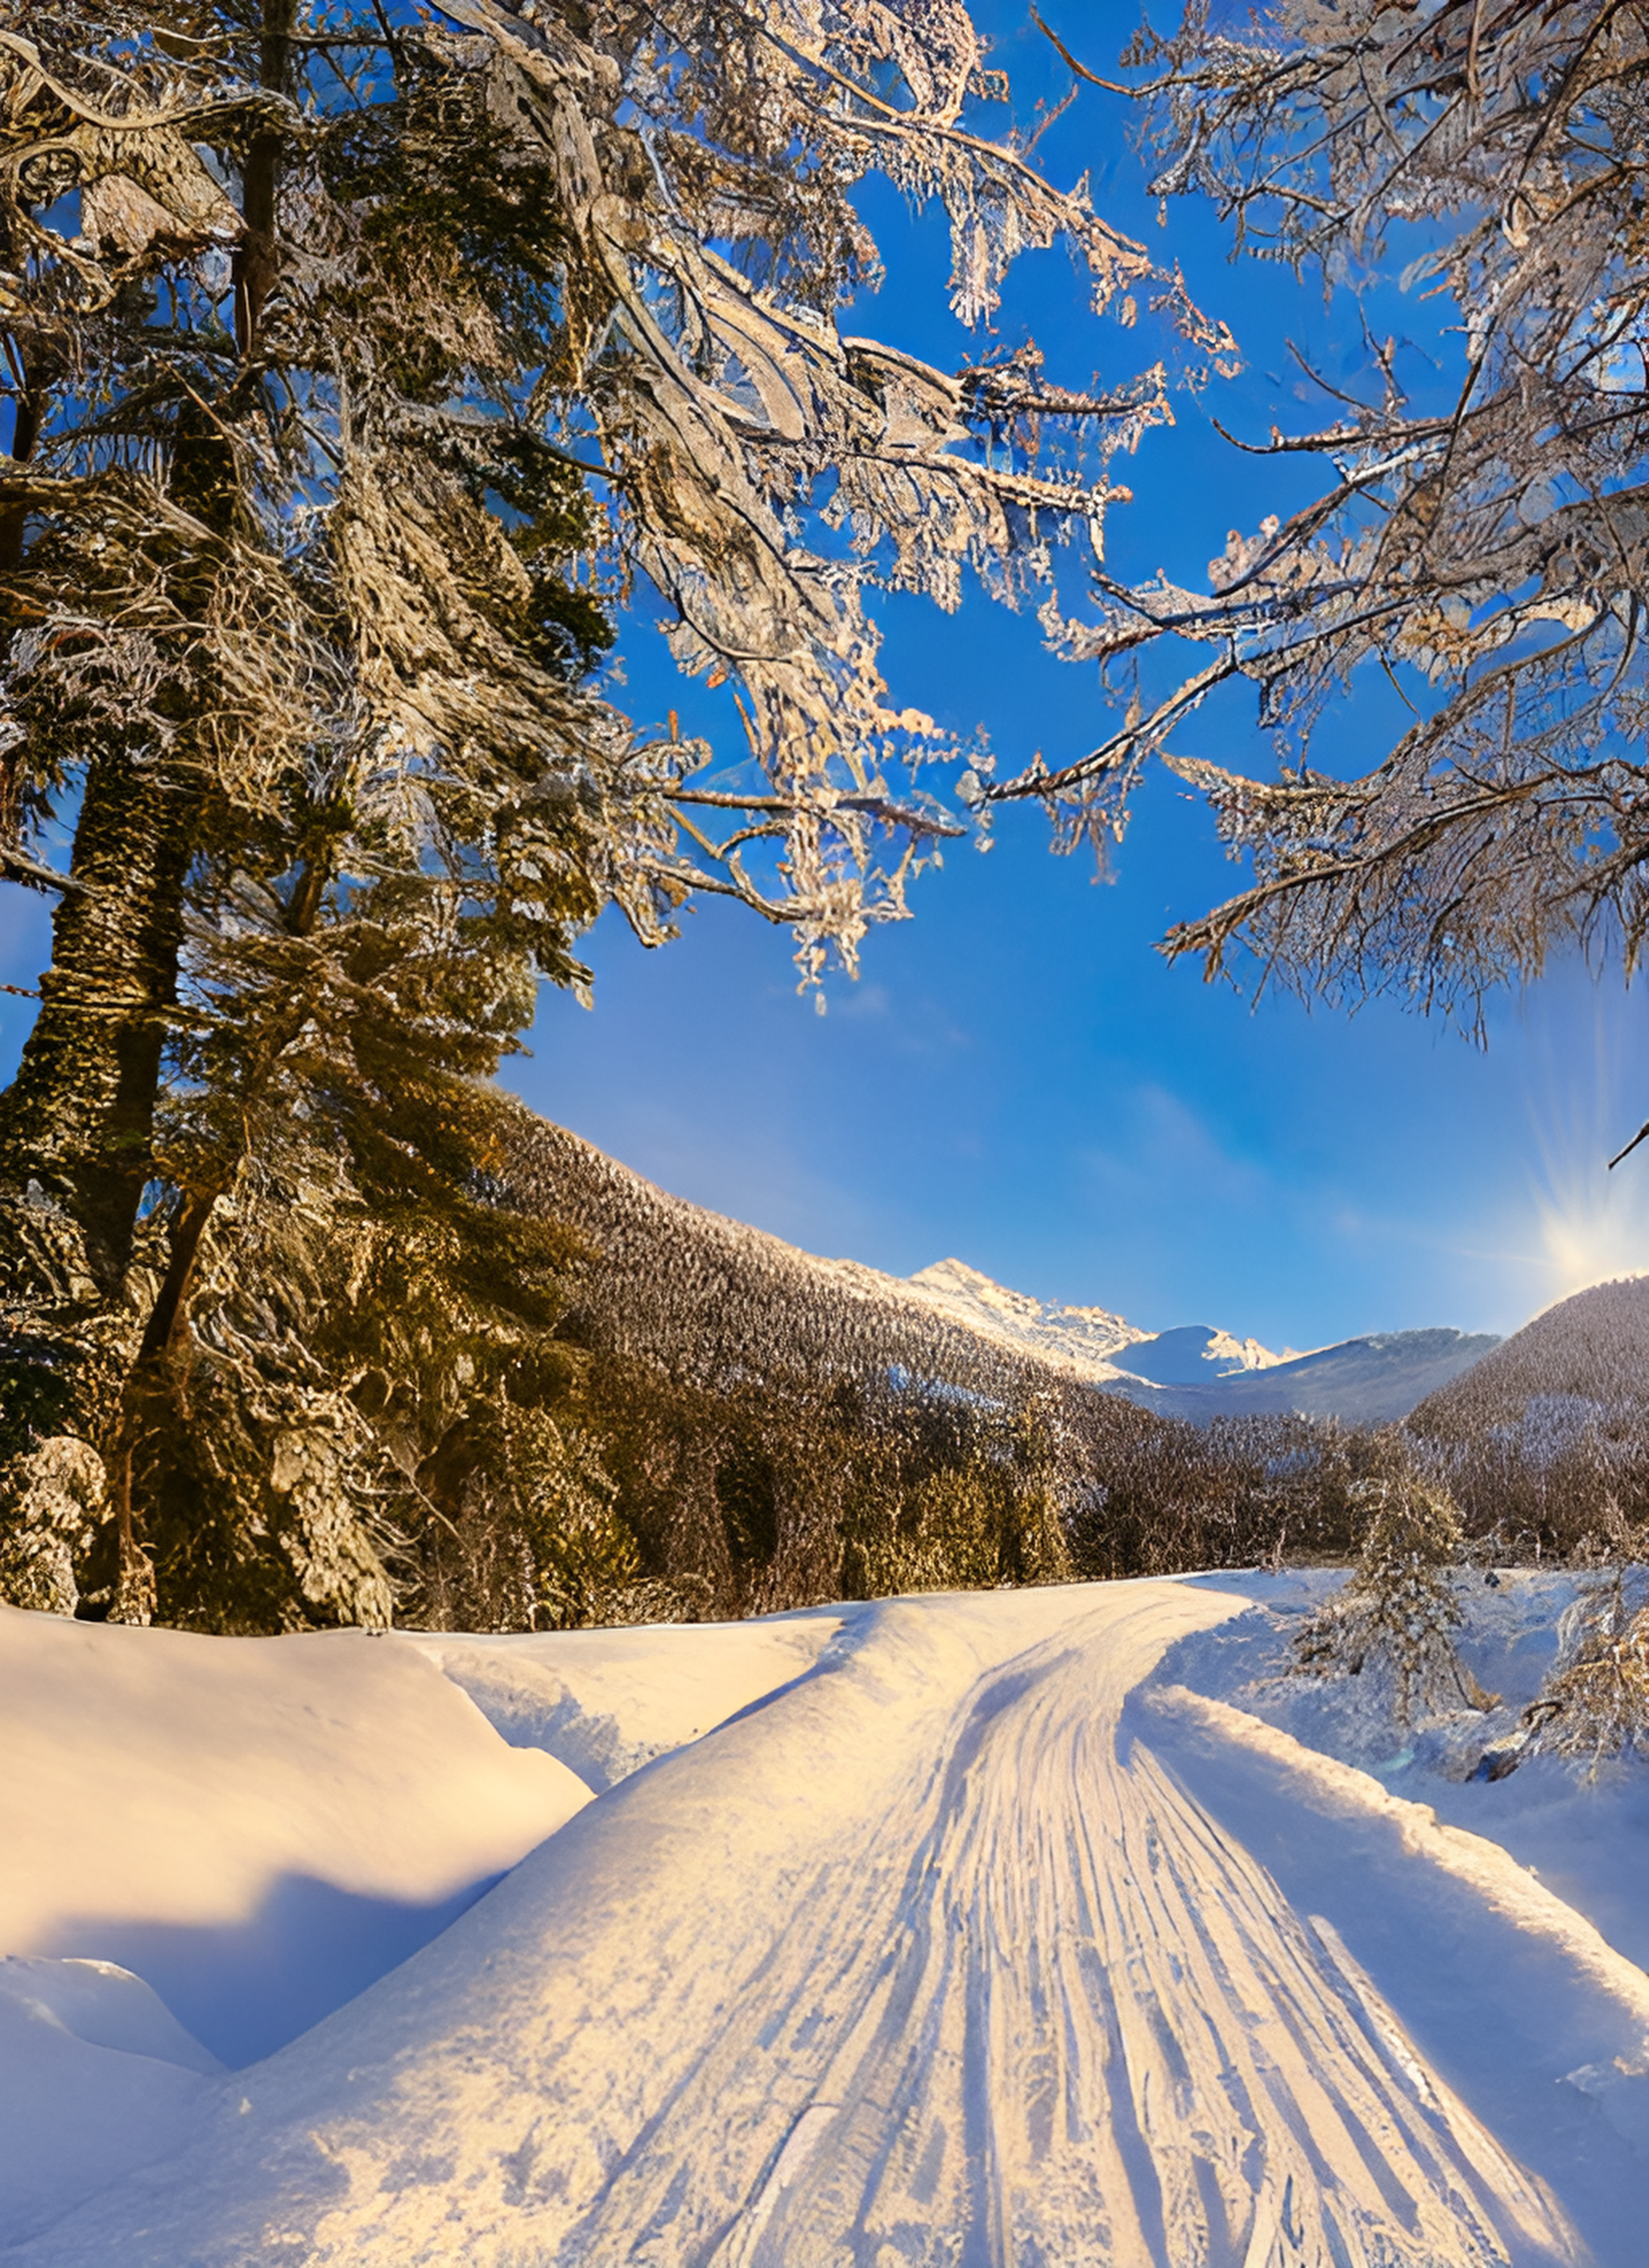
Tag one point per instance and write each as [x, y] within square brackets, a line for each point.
[968, 1933]
[258, 1827]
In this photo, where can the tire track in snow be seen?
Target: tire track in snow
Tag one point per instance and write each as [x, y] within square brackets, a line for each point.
[907, 1969]
[1105, 2036]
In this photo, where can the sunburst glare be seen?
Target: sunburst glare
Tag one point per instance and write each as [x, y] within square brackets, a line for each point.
[1586, 1096]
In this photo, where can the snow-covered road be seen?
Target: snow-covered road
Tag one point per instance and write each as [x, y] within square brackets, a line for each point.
[925, 1958]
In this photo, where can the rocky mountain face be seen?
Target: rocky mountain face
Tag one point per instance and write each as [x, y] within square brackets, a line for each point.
[1195, 1353]
[1087, 1340]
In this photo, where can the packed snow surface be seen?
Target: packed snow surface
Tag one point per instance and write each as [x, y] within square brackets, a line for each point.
[1025, 1928]
[258, 1827]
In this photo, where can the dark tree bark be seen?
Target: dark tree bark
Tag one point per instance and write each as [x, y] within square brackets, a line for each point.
[79, 1116]
[28, 416]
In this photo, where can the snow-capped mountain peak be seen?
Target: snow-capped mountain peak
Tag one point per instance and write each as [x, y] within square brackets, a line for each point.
[1195, 1353]
[1084, 1339]
[1092, 1341]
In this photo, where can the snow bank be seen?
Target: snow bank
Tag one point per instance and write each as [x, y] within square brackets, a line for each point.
[95, 2076]
[1524, 1899]
[1587, 1840]
[1339, 1791]
[257, 1826]
[607, 1701]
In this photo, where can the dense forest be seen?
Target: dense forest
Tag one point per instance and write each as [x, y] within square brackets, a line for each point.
[591, 1401]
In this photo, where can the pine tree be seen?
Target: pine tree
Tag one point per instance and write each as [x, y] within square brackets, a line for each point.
[358, 359]
[1594, 1704]
[1397, 1613]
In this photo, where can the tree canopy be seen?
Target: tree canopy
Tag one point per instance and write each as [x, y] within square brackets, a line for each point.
[359, 359]
[1486, 555]
[363, 361]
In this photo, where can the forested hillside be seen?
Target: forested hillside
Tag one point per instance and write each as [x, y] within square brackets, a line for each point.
[1593, 1347]
[1545, 1442]
[779, 1428]
[554, 1395]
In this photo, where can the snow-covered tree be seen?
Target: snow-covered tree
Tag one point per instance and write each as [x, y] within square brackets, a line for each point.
[1594, 1705]
[1397, 1612]
[357, 360]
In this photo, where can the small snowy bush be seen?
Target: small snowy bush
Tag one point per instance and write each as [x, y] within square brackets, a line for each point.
[1595, 1702]
[1398, 1611]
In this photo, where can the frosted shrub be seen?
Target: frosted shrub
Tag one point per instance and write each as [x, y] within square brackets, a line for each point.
[1398, 1611]
[1595, 1702]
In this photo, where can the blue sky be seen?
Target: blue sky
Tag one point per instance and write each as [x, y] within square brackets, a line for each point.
[1018, 1078]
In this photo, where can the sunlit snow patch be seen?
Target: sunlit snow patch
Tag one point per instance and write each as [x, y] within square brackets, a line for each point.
[926, 1956]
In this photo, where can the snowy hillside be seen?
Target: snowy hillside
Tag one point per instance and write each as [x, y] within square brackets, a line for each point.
[673, 1284]
[1086, 1339]
[1091, 1340]
[1370, 1381]
[672, 1280]
[1592, 1347]
[1017, 1927]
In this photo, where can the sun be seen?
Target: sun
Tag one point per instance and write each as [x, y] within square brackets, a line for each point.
[1583, 1041]
[1593, 1227]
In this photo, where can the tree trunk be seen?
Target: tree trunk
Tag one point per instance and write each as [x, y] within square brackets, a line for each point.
[28, 416]
[79, 1116]
[257, 260]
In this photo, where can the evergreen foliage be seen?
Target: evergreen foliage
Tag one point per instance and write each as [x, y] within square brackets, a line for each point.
[357, 360]
[1545, 1442]
[1397, 1613]
[1594, 1705]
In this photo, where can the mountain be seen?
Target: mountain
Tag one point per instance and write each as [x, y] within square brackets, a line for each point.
[1196, 1372]
[1195, 1353]
[1593, 1347]
[1080, 1339]
[1366, 1381]
[1091, 1342]
[675, 1284]
[711, 1299]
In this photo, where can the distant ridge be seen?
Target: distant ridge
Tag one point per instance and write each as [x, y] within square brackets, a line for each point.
[1591, 1347]
[698, 1291]
[1198, 1373]
[1366, 1381]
